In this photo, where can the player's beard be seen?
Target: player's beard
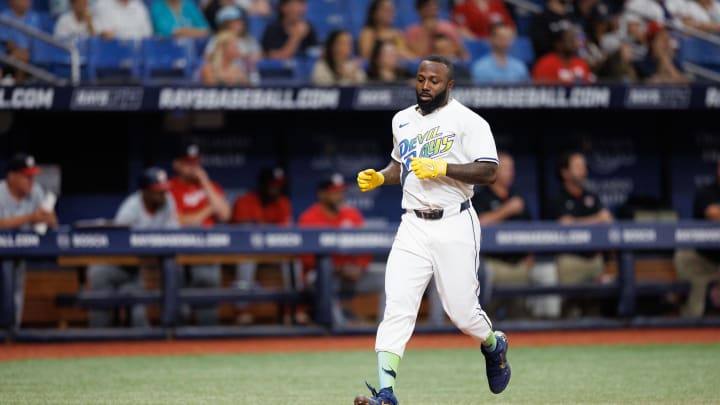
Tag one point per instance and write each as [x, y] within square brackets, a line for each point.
[434, 103]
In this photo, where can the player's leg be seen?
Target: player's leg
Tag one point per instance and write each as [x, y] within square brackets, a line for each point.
[456, 249]
[700, 272]
[102, 278]
[205, 276]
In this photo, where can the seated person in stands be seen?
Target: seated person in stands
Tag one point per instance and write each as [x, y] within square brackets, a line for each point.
[210, 9]
[150, 207]
[291, 35]
[233, 19]
[75, 23]
[575, 204]
[330, 211]
[267, 205]
[384, 65]
[23, 205]
[14, 43]
[224, 66]
[701, 267]
[499, 66]
[420, 36]
[379, 27]
[200, 202]
[122, 19]
[476, 17]
[178, 19]
[338, 66]
[660, 64]
[563, 65]
[497, 203]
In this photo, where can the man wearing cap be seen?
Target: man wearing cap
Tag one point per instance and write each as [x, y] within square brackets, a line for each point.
[330, 211]
[21, 200]
[150, 207]
[200, 202]
[267, 205]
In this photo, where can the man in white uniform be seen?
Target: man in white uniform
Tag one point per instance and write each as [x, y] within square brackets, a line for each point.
[440, 150]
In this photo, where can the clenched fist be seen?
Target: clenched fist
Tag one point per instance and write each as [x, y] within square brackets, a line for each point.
[369, 179]
[426, 168]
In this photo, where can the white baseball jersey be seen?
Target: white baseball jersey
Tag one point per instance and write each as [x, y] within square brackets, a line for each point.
[454, 133]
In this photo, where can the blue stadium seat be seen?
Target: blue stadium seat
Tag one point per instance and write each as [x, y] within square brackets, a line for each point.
[326, 16]
[476, 48]
[523, 50]
[113, 59]
[57, 60]
[47, 22]
[357, 14]
[700, 52]
[167, 58]
[405, 14]
[256, 26]
[273, 71]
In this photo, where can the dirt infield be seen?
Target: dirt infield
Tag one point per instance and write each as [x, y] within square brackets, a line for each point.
[18, 351]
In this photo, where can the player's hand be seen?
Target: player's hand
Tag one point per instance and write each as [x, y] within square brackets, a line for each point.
[369, 179]
[426, 168]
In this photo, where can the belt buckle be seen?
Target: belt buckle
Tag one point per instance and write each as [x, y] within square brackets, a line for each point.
[429, 214]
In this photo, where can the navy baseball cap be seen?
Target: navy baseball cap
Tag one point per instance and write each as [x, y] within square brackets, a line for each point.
[275, 175]
[229, 13]
[332, 182]
[154, 178]
[24, 164]
[190, 153]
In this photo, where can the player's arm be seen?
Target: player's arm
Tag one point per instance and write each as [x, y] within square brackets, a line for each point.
[369, 179]
[601, 217]
[473, 173]
[513, 206]
[712, 212]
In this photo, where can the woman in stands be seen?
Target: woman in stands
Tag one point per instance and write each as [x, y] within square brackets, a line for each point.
[233, 19]
[224, 66]
[384, 65]
[338, 66]
[378, 27]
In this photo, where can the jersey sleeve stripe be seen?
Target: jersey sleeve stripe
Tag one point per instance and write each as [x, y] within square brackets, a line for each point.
[487, 159]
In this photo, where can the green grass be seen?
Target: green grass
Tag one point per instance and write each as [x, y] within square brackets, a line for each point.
[660, 374]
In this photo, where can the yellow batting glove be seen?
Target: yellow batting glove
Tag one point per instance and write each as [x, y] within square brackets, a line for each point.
[426, 168]
[369, 179]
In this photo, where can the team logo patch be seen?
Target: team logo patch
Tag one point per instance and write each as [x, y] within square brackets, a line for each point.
[432, 143]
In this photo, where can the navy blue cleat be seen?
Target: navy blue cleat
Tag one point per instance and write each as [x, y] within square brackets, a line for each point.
[497, 366]
[384, 397]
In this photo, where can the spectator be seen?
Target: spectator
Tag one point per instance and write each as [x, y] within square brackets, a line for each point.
[200, 202]
[619, 66]
[330, 211]
[14, 43]
[225, 66]
[337, 65]
[543, 26]
[267, 205]
[210, 9]
[122, 19]
[666, 11]
[477, 17]
[575, 204]
[704, 15]
[498, 66]
[384, 65]
[497, 203]
[660, 64]
[420, 36]
[379, 27]
[151, 207]
[291, 35]
[563, 65]
[178, 19]
[234, 19]
[75, 23]
[597, 28]
[701, 267]
[23, 204]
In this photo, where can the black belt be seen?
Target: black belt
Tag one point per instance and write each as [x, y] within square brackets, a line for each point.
[438, 213]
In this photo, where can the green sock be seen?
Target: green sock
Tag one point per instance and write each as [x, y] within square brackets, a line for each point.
[387, 369]
[490, 343]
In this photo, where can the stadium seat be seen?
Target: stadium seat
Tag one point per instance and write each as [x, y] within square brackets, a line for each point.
[47, 22]
[700, 52]
[476, 47]
[256, 26]
[273, 71]
[57, 60]
[113, 60]
[327, 16]
[405, 14]
[357, 14]
[523, 50]
[167, 58]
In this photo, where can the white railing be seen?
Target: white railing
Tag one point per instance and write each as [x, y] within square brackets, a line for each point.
[42, 36]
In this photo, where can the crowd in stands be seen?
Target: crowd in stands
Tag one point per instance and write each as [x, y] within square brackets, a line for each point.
[569, 41]
[191, 198]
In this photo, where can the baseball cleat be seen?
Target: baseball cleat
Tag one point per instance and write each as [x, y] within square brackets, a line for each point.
[384, 397]
[497, 365]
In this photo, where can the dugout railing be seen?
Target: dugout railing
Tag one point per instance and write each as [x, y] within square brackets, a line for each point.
[625, 239]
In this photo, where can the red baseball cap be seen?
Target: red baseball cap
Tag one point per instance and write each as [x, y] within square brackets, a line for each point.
[333, 182]
[190, 154]
[24, 164]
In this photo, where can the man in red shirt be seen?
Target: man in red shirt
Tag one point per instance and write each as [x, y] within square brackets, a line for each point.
[267, 205]
[563, 65]
[200, 202]
[330, 211]
[476, 17]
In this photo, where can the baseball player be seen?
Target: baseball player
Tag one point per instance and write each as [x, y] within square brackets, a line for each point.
[440, 150]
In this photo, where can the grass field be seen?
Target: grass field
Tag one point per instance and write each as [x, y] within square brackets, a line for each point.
[653, 374]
